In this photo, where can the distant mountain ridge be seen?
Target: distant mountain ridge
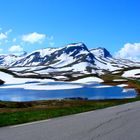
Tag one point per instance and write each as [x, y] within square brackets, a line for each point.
[75, 57]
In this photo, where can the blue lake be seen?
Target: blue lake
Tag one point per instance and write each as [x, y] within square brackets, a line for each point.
[86, 91]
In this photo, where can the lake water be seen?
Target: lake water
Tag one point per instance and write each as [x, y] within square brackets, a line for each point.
[91, 91]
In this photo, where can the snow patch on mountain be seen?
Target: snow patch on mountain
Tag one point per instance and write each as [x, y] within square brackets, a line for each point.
[101, 52]
[135, 73]
[89, 80]
[9, 79]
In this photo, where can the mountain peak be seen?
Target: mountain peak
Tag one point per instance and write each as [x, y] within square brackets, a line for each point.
[101, 52]
[76, 46]
[81, 44]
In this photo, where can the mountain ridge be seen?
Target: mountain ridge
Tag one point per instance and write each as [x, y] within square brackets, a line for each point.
[73, 58]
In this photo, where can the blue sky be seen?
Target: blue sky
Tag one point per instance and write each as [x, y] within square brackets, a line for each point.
[33, 24]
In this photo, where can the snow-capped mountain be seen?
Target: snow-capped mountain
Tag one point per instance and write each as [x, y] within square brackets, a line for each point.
[74, 58]
[54, 57]
[101, 52]
[6, 60]
[106, 61]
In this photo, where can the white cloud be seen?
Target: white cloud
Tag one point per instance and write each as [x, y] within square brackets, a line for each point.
[129, 51]
[3, 36]
[16, 48]
[33, 38]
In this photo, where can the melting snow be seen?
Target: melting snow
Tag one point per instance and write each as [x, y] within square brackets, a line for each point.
[89, 80]
[132, 73]
[120, 80]
[122, 85]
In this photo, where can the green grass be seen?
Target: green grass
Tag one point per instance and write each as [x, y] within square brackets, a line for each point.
[61, 108]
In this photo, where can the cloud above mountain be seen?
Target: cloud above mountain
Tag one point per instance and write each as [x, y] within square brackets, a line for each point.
[129, 51]
[16, 48]
[33, 38]
[3, 36]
